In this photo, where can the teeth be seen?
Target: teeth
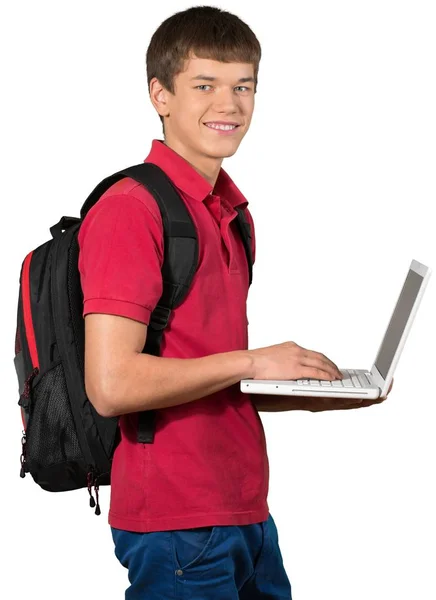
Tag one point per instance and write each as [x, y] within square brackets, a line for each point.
[223, 127]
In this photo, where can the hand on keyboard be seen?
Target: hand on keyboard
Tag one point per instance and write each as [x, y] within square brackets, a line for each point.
[291, 361]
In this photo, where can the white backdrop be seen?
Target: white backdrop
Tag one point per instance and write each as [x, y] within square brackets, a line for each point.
[339, 169]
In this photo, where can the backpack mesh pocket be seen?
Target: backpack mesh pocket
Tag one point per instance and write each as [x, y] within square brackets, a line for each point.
[51, 432]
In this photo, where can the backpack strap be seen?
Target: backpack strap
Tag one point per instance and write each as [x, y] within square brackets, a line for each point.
[178, 270]
[246, 235]
[180, 257]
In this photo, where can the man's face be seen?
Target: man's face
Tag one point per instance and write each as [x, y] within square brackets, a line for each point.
[197, 100]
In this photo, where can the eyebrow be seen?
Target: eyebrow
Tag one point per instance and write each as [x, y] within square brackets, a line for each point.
[209, 78]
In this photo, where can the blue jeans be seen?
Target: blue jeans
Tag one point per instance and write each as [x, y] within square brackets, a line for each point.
[237, 562]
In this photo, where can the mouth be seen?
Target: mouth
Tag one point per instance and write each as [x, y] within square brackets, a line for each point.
[222, 128]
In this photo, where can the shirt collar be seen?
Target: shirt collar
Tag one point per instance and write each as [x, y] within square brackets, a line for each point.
[188, 180]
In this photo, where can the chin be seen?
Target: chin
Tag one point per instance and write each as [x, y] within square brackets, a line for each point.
[221, 150]
[231, 152]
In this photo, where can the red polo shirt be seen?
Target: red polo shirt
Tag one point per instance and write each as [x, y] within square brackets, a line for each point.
[208, 464]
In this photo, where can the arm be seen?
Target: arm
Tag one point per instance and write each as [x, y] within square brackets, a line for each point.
[120, 293]
[120, 380]
[119, 296]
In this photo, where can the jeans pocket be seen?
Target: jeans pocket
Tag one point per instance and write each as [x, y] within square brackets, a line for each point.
[190, 546]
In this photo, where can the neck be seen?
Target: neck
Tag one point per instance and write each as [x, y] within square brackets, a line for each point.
[206, 166]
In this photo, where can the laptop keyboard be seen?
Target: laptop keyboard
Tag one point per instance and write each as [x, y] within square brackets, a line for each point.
[351, 380]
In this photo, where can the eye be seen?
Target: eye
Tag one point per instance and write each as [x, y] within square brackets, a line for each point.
[243, 88]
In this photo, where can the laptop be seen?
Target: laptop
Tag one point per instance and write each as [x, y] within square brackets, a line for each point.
[361, 383]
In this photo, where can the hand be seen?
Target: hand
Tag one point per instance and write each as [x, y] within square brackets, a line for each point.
[291, 361]
[320, 404]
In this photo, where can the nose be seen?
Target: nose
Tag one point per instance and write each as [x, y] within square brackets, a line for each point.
[226, 101]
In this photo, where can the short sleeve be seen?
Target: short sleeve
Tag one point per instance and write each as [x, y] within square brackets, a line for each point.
[120, 258]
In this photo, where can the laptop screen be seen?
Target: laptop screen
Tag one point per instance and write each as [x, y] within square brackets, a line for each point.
[398, 322]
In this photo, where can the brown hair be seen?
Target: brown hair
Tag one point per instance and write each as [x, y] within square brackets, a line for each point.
[205, 31]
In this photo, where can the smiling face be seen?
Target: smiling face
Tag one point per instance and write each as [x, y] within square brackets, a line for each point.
[207, 91]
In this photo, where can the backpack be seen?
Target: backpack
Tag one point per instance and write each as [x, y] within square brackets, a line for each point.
[66, 444]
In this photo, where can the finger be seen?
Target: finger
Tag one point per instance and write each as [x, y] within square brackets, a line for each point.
[310, 372]
[318, 363]
[322, 357]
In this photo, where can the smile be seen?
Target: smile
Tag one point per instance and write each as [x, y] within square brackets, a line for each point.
[222, 127]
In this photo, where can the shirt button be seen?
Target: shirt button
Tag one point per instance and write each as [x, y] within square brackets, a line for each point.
[179, 572]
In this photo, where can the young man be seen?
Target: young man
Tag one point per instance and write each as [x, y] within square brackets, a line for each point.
[189, 512]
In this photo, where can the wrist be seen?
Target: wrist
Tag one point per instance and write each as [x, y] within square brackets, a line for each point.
[249, 365]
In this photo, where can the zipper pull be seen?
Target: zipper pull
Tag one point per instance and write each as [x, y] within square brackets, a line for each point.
[90, 478]
[23, 456]
[97, 510]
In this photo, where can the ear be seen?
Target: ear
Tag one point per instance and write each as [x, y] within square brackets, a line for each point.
[159, 97]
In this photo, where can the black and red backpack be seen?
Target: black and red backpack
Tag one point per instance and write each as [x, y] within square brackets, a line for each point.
[66, 444]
